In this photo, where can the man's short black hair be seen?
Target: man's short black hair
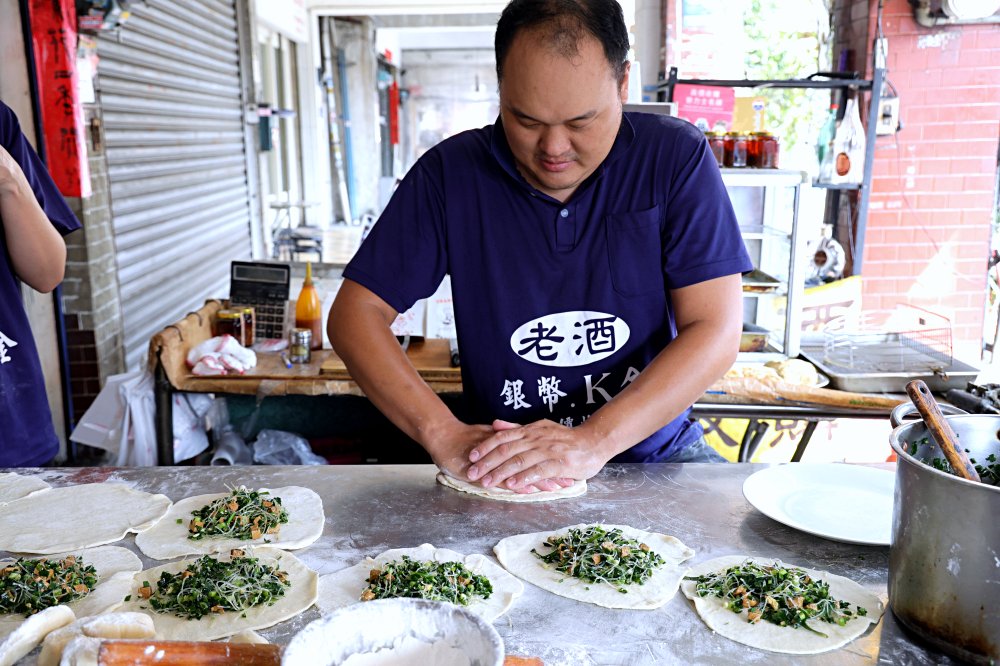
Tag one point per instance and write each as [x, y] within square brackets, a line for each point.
[564, 23]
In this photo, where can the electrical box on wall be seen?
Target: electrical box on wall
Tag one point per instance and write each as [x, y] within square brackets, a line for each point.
[888, 116]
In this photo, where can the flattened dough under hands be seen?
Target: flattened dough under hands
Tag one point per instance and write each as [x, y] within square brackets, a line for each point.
[516, 556]
[115, 568]
[344, 587]
[81, 516]
[768, 636]
[578, 488]
[298, 597]
[167, 539]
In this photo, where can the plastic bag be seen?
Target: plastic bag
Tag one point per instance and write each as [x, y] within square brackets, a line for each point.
[276, 447]
[121, 421]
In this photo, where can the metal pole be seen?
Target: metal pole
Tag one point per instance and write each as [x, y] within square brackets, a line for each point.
[866, 179]
[163, 398]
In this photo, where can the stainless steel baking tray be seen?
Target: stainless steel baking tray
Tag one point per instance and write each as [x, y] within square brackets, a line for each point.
[955, 375]
[759, 282]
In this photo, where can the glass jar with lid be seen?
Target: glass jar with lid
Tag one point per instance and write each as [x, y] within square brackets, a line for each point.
[716, 143]
[766, 150]
[249, 323]
[229, 321]
[735, 150]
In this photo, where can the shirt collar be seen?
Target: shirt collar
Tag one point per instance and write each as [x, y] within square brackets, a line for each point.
[505, 158]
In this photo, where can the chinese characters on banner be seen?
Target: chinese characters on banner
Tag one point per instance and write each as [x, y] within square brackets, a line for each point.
[705, 106]
[53, 29]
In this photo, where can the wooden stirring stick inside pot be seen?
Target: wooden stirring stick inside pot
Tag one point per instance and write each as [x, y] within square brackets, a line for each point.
[941, 430]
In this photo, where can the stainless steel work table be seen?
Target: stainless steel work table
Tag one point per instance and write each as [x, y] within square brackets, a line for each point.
[372, 508]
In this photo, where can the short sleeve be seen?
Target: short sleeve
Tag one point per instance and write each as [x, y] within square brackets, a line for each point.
[701, 236]
[46, 192]
[404, 259]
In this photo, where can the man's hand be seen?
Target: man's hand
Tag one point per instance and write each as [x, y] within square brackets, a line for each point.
[543, 454]
[450, 451]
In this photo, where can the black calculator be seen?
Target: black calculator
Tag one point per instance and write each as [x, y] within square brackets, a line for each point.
[265, 287]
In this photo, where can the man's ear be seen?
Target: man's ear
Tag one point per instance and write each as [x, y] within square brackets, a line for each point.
[623, 92]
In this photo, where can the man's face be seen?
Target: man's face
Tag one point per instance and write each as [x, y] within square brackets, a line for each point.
[560, 114]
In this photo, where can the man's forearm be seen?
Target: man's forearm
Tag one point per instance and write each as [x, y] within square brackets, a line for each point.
[375, 360]
[671, 383]
[709, 320]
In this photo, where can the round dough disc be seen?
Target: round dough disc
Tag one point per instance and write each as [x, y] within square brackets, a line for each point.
[115, 568]
[768, 636]
[14, 486]
[167, 539]
[578, 488]
[63, 519]
[298, 597]
[344, 587]
[515, 555]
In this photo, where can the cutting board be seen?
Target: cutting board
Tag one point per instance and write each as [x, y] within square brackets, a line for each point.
[431, 358]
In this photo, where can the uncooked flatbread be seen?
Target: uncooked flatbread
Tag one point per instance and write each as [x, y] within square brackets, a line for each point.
[298, 597]
[14, 486]
[109, 625]
[73, 517]
[578, 488]
[515, 554]
[344, 587]
[167, 539]
[768, 636]
[31, 632]
[115, 568]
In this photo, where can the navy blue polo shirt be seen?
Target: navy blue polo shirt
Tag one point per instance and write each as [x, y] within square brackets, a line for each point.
[558, 306]
[26, 434]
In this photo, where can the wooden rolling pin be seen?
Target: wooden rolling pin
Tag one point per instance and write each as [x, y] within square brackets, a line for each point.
[180, 653]
[186, 653]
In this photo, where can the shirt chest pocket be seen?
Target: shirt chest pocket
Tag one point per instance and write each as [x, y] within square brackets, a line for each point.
[634, 252]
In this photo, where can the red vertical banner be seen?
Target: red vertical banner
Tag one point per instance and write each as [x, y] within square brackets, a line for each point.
[53, 36]
[394, 113]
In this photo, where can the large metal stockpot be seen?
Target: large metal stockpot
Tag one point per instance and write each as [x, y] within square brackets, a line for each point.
[944, 558]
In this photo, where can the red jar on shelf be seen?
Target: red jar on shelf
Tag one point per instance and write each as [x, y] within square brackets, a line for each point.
[735, 154]
[762, 151]
[716, 143]
[767, 151]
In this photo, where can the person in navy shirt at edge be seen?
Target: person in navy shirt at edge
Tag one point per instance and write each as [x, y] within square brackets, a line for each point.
[33, 219]
[595, 264]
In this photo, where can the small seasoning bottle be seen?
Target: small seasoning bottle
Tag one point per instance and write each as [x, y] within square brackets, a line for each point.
[249, 322]
[299, 343]
[229, 322]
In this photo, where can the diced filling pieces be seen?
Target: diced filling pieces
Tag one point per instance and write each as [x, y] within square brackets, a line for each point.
[596, 555]
[437, 581]
[30, 586]
[243, 514]
[208, 585]
[785, 596]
